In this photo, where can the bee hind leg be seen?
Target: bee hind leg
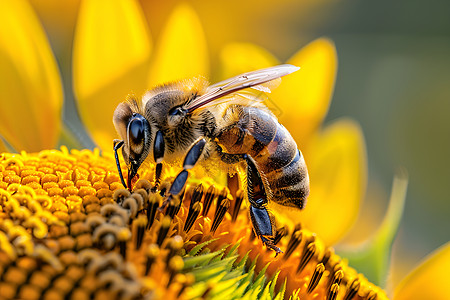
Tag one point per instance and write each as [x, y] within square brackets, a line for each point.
[263, 226]
[263, 222]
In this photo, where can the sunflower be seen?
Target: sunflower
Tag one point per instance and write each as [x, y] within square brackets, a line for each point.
[68, 228]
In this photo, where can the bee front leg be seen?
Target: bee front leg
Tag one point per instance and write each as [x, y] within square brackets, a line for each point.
[263, 223]
[117, 145]
[158, 154]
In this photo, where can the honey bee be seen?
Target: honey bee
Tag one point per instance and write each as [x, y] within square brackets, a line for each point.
[225, 123]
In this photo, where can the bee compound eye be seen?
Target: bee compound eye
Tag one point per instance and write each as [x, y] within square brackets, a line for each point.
[136, 131]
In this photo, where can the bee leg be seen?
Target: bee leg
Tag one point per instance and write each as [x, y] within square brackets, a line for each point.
[158, 154]
[117, 145]
[190, 160]
[263, 223]
[194, 154]
[263, 226]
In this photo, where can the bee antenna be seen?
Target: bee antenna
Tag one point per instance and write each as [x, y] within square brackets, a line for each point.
[117, 145]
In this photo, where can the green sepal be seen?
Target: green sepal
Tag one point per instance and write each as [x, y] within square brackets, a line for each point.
[220, 276]
[273, 283]
[197, 248]
[200, 260]
[282, 291]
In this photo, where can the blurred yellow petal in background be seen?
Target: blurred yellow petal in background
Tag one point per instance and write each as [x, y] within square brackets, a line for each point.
[182, 50]
[429, 280]
[337, 167]
[238, 58]
[30, 88]
[111, 53]
[309, 89]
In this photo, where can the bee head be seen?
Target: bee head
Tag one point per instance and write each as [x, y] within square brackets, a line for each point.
[135, 132]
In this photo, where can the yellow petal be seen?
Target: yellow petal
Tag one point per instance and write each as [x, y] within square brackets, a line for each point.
[337, 166]
[305, 95]
[110, 59]
[238, 58]
[182, 50]
[429, 280]
[30, 88]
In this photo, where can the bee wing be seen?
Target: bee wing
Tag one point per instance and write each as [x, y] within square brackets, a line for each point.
[254, 79]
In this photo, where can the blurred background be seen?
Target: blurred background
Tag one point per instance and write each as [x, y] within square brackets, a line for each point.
[393, 75]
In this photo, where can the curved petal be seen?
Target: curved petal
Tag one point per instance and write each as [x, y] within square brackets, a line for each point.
[429, 280]
[238, 58]
[182, 50]
[308, 90]
[30, 87]
[110, 59]
[337, 167]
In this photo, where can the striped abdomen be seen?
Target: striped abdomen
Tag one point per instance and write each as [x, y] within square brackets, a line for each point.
[259, 134]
